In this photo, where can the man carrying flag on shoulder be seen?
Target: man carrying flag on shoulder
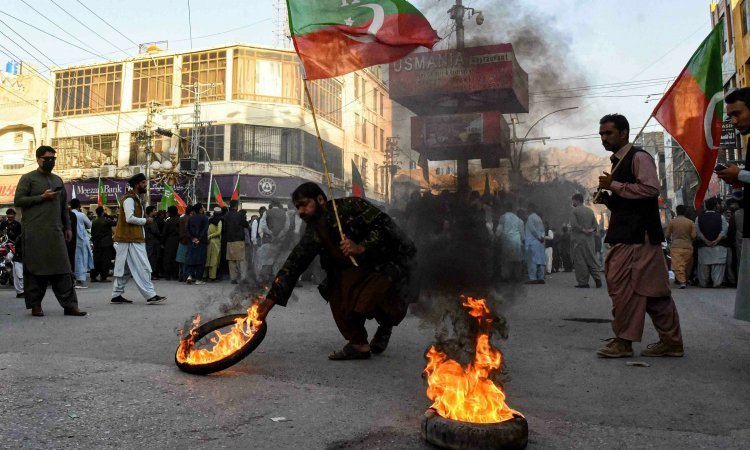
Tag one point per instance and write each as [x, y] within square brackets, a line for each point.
[738, 110]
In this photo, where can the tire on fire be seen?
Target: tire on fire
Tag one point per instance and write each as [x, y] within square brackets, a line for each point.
[452, 434]
[228, 361]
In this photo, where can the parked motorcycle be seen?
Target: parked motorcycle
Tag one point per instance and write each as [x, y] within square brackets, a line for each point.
[7, 251]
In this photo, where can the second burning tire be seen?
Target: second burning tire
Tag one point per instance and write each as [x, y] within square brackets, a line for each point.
[452, 434]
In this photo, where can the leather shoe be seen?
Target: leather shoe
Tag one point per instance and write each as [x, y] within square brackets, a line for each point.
[74, 312]
[598, 283]
[36, 311]
[583, 286]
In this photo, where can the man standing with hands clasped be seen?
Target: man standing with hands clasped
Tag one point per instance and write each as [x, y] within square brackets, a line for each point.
[738, 110]
[46, 227]
[130, 246]
[635, 267]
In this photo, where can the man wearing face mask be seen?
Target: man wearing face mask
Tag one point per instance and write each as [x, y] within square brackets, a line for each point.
[380, 287]
[41, 196]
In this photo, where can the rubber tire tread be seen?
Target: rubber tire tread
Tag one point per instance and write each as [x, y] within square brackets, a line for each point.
[229, 361]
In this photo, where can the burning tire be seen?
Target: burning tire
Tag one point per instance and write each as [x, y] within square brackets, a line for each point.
[228, 361]
[451, 434]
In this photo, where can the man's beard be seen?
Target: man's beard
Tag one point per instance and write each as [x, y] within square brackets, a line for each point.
[310, 218]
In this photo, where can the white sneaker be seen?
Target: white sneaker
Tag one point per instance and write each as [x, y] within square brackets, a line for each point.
[199, 282]
[190, 280]
[80, 285]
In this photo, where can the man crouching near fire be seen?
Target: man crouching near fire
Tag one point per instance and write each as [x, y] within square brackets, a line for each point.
[380, 288]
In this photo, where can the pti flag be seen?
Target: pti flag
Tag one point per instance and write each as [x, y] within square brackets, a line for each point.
[217, 194]
[358, 188]
[236, 191]
[334, 37]
[101, 198]
[170, 198]
[693, 108]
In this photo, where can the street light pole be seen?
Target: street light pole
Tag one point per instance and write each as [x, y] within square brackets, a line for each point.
[525, 139]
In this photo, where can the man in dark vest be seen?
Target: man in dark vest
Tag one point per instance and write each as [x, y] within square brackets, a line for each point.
[738, 110]
[635, 267]
[130, 246]
[46, 227]
[711, 228]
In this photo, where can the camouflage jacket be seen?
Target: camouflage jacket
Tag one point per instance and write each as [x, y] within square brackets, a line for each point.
[387, 250]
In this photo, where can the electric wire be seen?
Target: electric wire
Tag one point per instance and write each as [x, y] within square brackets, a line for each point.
[89, 28]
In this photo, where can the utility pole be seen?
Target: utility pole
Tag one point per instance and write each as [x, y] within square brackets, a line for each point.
[147, 136]
[462, 164]
[198, 89]
[391, 167]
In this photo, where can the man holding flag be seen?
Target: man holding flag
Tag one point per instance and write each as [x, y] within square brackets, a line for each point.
[738, 110]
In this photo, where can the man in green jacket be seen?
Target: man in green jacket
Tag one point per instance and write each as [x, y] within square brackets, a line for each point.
[44, 216]
[379, 287]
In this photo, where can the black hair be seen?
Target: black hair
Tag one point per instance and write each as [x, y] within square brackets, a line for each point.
[308, 190]
[197, 208]
[42, 149]
[620, 122]
[681, 210]
[75, 203]
[578, 197]
[739, 95]
[150, 208]
[172, 211]
[532, 207]
[712, 203]
[99, 211]
[10, 211]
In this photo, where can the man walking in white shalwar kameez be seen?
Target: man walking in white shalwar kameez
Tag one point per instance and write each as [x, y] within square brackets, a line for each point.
[130, 246]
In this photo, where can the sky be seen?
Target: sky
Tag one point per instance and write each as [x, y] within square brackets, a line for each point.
[611, 42]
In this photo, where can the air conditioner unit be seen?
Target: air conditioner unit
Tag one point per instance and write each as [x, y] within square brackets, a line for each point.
[188, 165]
[204, 167]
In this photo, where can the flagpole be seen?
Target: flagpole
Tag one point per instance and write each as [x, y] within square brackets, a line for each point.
[614, 169]
[325, 167]
[210, 190]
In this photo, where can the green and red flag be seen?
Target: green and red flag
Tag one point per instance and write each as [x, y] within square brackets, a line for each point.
[236, 191]
[358, 187]
[335, 37]
[692, 110]
[101, 198]
[170, 198]
[217, 194]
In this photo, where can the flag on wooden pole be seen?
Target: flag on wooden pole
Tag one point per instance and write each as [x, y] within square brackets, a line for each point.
[170, 198]
[335, 37]
[692, 110]
[101, 198]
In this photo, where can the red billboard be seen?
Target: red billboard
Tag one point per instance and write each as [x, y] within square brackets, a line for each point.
[475, 79]
[473, 136]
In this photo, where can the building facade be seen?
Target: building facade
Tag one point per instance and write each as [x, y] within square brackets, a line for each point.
[254, 126]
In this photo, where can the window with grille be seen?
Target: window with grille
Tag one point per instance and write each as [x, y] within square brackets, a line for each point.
[85, 152]
[382, 101]
[376, 169]
[88, 91]
[326, 95]
[363, 170]
[204, 67]
[357, 127]
[266, 77]
[265, 144]
[311, 155]
[211, 138]
[375, 140]
[382, 140]
[153, 81]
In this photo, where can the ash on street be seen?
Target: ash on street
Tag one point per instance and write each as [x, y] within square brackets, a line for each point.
[109, 381]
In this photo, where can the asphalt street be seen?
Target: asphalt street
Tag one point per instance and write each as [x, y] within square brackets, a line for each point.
[109, 379]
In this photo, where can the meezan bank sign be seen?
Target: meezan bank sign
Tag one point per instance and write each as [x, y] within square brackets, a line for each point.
[475, 79]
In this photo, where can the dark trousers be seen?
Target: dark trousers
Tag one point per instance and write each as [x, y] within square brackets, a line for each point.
[35, 286]
[102, 262]
[357, 295]
[195, 271]
[153, 251]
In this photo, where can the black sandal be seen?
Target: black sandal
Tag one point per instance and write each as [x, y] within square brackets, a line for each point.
[379, 342]
[347, 353]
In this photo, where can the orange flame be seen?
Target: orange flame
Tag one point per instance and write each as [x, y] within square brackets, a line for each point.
[466, 394]
[224, 344]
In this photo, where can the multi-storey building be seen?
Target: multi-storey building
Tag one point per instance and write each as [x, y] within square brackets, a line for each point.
[23, 122]
[256, 123]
